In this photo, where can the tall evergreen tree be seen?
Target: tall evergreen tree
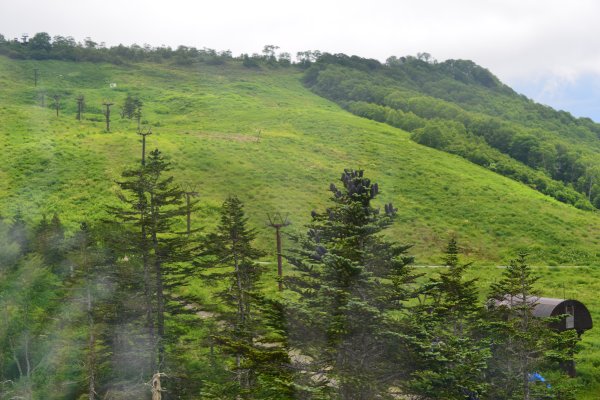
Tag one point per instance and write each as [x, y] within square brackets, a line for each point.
[18, 232]
[152, 207]
[91, 277]
[449, 351]
[521, 343]
[49, 242]
[348, 277]
[258, 368]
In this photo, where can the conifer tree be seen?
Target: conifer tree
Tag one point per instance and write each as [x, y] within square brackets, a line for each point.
[152, 206]
[131, 106]
[340, 321]
[89, 264]
[449, 352]
[18, 232]
[258, 368]
[522, 344]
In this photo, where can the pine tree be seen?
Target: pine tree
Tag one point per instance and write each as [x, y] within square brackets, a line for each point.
[131, 107]
[348, 277]
[152, 207]
[19, 234]
[258, 368]
[449, 352]
[91, 276]
[521, 343]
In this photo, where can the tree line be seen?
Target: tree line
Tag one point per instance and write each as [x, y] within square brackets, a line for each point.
[42, 46]
[137, 306]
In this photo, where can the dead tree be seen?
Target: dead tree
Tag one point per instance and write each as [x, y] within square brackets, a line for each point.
[190, 191]
[157, 386]
[143, 135]
[80, 105]
[107, 114]
[278, 222]
[57, 103]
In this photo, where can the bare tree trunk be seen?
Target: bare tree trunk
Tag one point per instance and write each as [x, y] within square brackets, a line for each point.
[160, 303]
[91, 348]
[27, 360]
[148, 297]
[156, 387]
[16, 359]
[160, 297]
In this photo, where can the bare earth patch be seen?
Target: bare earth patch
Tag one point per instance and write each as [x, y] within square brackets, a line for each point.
[230, 137]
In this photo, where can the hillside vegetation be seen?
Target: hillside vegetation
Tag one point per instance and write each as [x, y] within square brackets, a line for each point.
[261, 134]
[276, 135]
[461, 108]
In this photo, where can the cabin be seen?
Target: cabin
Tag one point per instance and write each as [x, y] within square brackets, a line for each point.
[576, 316]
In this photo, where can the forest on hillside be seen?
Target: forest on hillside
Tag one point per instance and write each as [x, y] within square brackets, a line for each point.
[102, 314]
[153, 301]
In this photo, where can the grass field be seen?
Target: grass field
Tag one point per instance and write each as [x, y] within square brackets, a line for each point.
[261, 135]
[207, 121]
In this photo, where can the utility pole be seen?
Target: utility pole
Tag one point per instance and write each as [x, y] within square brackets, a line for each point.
[80, 104]
[35, 76]
[56, 103]
[43, 100]
[143, 135]
[190, 192]
[107, 113]
[277, 221]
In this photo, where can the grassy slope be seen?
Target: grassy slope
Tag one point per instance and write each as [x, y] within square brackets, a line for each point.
[208, 120]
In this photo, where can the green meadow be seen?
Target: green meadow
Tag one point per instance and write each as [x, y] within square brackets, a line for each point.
[260, 134]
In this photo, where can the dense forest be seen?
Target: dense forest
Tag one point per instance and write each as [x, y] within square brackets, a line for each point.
[154, 297]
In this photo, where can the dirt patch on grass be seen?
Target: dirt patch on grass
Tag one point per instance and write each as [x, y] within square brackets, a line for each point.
[230, 137]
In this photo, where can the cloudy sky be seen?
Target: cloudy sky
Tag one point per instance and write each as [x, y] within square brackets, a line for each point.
[547, 49]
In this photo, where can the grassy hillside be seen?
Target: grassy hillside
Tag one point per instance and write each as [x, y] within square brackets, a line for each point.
[208, 119]
[461, 108]
[261, 134]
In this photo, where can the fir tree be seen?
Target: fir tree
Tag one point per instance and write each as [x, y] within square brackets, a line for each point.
[521, 343]
[152, 207]
[131, 107]
[449, 352]
[341, 320]
[258, 367]
[89, 263]
[19, 234]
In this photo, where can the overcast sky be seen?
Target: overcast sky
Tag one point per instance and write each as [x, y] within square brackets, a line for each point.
[546, 49]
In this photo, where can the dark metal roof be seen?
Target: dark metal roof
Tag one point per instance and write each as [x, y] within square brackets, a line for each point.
[545, 307]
